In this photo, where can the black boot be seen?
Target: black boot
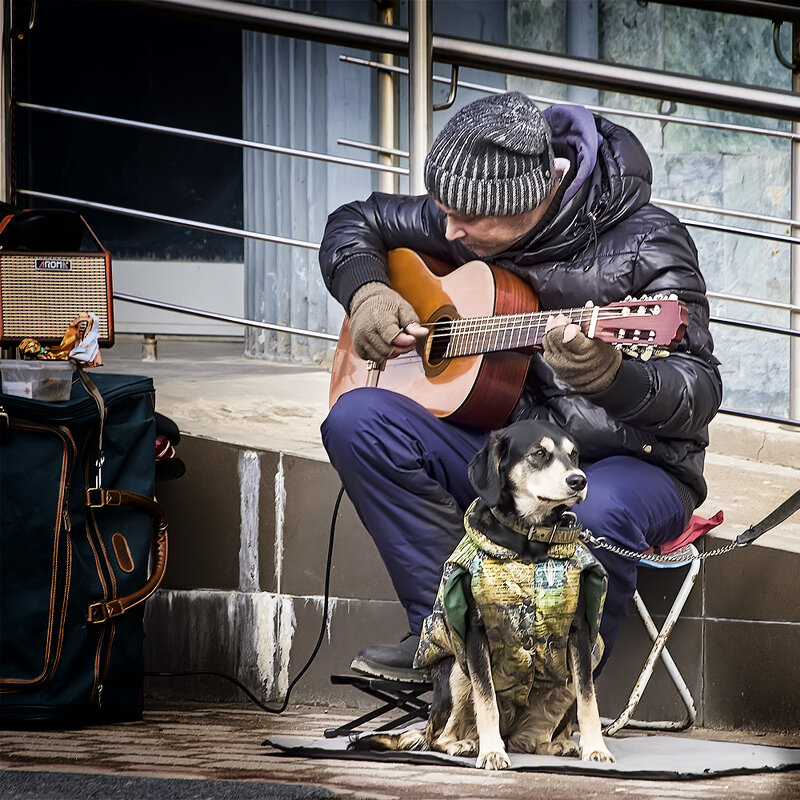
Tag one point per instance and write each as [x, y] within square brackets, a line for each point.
[393, 662]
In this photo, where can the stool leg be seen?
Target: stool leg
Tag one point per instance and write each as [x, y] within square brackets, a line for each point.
[659, 650]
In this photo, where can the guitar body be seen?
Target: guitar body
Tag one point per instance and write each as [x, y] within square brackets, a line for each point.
[478, 390]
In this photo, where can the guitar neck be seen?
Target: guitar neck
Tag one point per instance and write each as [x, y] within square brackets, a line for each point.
[475, 335]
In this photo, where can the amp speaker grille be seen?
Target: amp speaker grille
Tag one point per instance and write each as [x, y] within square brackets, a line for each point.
[41, 294]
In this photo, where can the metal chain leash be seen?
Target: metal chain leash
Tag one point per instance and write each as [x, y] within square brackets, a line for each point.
[781, 513]
[671, 558]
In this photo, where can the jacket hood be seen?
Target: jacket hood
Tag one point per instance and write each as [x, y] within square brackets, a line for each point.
[612, 178]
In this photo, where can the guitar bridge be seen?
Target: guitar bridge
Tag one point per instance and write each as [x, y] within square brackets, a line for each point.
[374, 369]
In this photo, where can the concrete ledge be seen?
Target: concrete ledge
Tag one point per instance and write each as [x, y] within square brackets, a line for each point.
[763, 442]
[249, 532]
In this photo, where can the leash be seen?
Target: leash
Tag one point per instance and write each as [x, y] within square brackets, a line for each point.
[781, 513]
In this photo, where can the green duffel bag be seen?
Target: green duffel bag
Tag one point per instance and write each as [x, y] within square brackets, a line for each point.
[83, 544]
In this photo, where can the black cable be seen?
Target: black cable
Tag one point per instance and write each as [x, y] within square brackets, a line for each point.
[325, 604]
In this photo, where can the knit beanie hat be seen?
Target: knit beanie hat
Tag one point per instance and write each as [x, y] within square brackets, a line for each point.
[493, 158]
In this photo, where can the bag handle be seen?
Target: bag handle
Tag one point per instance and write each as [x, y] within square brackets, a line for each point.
[115, 607]
[97, 497]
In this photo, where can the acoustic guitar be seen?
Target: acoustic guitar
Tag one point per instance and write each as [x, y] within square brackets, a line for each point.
[484, 323]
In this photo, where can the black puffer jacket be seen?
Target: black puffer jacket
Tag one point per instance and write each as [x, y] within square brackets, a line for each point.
[602, 242]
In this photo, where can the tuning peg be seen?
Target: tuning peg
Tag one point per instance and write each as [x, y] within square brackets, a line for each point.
[640, 351]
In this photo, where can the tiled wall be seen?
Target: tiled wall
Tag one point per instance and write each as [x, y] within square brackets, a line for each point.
[737, 643]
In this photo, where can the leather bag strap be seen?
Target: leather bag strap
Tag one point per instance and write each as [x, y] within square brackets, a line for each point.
[115, 607]
[782, 512]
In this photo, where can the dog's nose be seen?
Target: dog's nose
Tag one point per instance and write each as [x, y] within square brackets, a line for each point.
[576, 482]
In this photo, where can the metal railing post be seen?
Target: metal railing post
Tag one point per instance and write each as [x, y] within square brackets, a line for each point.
[5, 91]
[387, 107]
[420, 90]
[794, 342]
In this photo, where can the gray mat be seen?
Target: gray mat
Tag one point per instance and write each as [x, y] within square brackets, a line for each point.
[655, 757]
[24, 785]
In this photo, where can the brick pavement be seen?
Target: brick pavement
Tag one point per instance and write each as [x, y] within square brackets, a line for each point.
[223, 742]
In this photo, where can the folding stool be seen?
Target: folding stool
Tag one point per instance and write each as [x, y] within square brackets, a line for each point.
[682, 552]
[395, 696]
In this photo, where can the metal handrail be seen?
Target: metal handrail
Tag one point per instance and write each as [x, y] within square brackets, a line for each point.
[197, 312]
[777, 237]
[795, 423]
[619, 112]
[492, 58]
[188, 223]
[755, 326]
[213, 138]
[753, 301]
[715, 226]
[726, 212]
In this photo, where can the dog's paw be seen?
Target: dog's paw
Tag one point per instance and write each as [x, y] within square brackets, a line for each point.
[412, 740]
[463, 747]
[560, 747]
[494, 759]
[599, 754]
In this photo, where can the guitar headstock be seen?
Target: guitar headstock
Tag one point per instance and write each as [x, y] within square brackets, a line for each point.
[643, 326]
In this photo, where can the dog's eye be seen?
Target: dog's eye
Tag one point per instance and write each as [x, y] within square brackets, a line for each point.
[539, 454]
[574, 457]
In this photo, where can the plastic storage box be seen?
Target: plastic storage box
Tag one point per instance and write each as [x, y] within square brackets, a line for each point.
[39, 380]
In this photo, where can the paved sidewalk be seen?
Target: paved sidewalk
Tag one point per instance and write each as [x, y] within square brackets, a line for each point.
[212, 743]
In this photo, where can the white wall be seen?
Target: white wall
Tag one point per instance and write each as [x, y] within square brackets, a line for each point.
[210, 286]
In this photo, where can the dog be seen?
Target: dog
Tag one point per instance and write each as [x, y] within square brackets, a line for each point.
[495, 688]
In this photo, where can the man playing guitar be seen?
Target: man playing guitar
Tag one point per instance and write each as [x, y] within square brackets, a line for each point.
[558, 201]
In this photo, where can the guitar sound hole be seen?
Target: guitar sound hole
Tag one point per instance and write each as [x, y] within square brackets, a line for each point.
[440, 339]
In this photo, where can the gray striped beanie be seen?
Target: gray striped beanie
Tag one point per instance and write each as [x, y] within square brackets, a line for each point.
[493, 158]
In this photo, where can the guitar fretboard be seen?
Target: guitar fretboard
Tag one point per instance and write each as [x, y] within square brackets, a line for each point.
[474, 335]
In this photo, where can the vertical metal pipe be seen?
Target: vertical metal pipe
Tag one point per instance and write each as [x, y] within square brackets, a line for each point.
[5, 91]
[582, 41]
[794, 342]
[420, 90]
[387, 107]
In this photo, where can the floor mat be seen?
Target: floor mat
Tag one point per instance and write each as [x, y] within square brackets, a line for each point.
[655, 757]
[35, 785]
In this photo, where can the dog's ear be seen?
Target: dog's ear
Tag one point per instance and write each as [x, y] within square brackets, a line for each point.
[487, 469]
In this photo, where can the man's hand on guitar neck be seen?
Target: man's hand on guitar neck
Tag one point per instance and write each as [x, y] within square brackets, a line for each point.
[588, 365]
[382, 324]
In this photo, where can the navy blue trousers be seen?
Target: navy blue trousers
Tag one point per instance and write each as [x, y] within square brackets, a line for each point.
[405, 472]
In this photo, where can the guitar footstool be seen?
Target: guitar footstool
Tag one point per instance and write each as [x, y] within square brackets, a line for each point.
[394, 696]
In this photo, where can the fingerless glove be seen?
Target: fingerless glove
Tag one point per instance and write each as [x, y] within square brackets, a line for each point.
[377, 314]
[588, 365]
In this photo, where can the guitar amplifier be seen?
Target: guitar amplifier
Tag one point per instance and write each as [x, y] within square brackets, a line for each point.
[43, 287]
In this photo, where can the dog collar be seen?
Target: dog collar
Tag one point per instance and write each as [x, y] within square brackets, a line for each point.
[566, 531]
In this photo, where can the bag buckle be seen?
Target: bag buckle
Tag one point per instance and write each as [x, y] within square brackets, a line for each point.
[97, 613]
[95, 497]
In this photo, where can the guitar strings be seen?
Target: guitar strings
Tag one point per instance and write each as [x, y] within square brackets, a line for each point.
[527, 320]
[473, 335]
[532, 318]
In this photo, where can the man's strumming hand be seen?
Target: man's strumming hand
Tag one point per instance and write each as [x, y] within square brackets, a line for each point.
[382, 323]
